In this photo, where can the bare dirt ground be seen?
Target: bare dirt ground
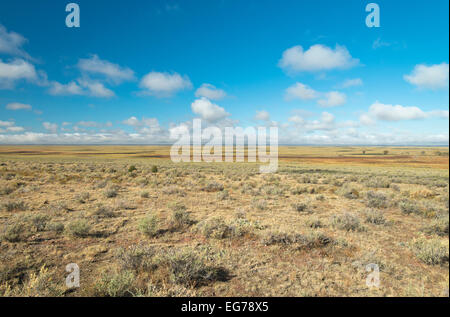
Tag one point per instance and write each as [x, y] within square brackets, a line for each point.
[137, 224]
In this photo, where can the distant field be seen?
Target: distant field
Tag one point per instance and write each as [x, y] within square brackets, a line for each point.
[138, 224]
[435, 157]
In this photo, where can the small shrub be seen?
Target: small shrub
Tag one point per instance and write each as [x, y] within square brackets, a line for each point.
[260, 204]
[431, 252]
[409, 207]
[348, 192]
[116, 285]
[132, 168]
[215, 228]
[149, 226]
[111, 192]
[376, 200]
[374, 216]
[188, 268]
[213, 187]
[154, 169]
[223, 195]
[180, 219]
[15, 232]
[347, 221]
[15, 206]
[377, 182]
[300, 207]
[300, 241]
[136, 258]
[78, 228]
[103, 212]
[438, 226]
[314, 223]
[83, 198]
[39, 222]
[145, 195]
[56, 227]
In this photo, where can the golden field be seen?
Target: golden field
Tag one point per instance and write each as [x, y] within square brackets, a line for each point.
[138, 224]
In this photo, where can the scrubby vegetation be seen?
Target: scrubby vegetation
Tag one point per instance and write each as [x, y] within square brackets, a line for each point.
[150, 227]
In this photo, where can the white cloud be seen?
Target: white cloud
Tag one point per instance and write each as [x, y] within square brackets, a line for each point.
[210, 92]
[18, 106]
[326, 122]
[333, 99]
[317, 58]
[146, 126]
[52, 127]
[366, 119]
[208, 110]
[164, 84]
[431, 77]
[83, 87]
[59, 89]
[300, 91]
[262, 115]
[11, 43]
[16, 70]
[352, 83]
[96, 88]
[112, 72]
[385, 112]
[15, 129]
[395, 113]
[6, 123]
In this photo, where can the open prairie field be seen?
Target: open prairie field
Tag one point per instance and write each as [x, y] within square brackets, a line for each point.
[137, 224]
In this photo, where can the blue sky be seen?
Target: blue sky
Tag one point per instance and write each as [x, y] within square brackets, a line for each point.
[135, 70]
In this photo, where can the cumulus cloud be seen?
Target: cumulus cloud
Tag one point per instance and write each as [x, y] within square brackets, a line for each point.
[59, 89]
[17, 69]
[326, 122]
[112, 72]
[333, 99]
[5, 124]
[352, 83]
[11, 43]
[300, 91]
[82, 87]
[429, 77]
[18, 106]
[208, 111]
[164, 84]
[386, 112]
[52, 127]
[317, 58]
[211, 92]
[147, 126]
[262, 115]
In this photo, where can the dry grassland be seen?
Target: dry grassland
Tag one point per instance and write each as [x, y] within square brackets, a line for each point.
[139, 225]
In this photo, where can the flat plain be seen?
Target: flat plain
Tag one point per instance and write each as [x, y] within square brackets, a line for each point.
[137, 224]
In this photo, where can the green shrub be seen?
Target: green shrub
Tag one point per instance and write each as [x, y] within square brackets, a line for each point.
[116, 285]
[132, 168]
[149, 226]
[432, 252]
[409, 207]
[15, 232]
[154, 169]
[78, 228]
[438, 226]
